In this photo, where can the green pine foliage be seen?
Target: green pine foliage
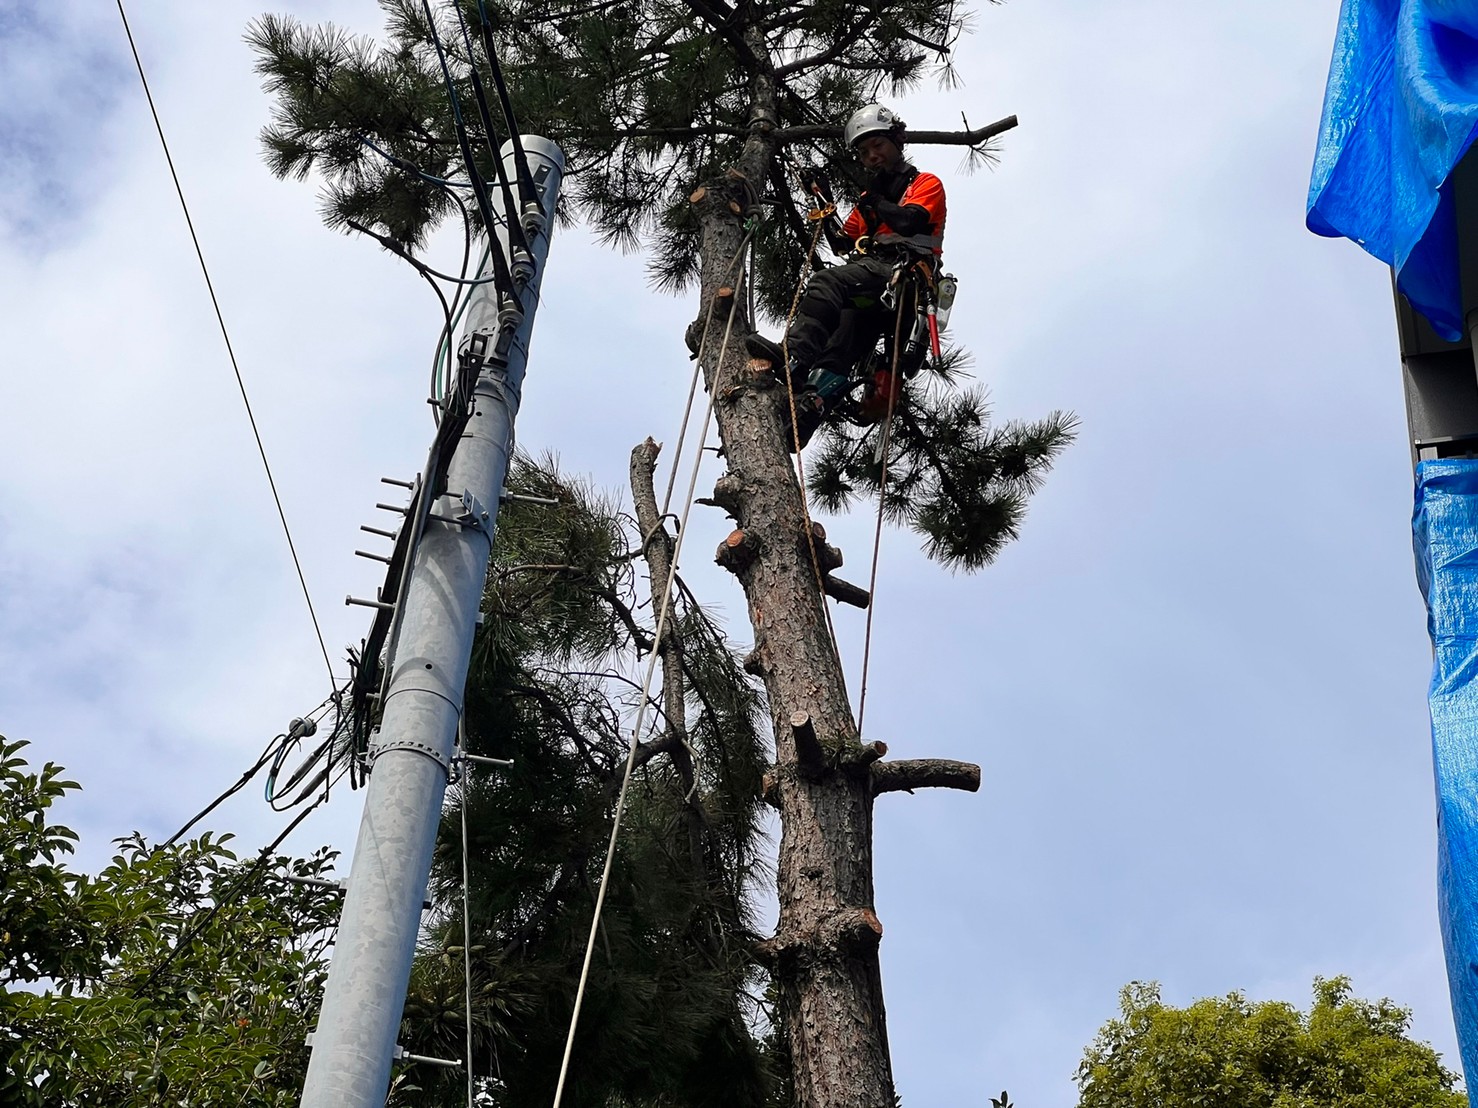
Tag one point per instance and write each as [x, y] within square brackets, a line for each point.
[554, 688]
[649, 98]
[644, 96]
[953, 476]
[1232, 1053]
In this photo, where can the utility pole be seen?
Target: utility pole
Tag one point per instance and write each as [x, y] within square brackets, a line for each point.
[412, 750]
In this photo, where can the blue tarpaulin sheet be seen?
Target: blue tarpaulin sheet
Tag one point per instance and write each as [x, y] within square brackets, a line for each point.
[1445, 534]
[1399, 113]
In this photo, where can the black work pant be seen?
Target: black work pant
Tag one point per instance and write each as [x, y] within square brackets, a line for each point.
[838, 318]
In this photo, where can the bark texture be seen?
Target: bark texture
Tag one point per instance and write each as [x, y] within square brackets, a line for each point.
[824, 953]
[825, 950]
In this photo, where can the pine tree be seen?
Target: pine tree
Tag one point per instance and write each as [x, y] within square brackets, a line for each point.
[666, 1017]
[682, 121]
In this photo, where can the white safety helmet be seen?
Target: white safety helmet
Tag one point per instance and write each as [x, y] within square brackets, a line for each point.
[874, 119]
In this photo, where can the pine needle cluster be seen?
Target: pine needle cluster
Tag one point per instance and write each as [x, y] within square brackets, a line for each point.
[649, 98]
[553, 688]
[954, 477]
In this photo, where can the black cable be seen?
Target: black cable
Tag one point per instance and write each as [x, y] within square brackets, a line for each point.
[422, 268]
[272, 752]
[527, 194]
[256, 768]
[445, 339]
[517, 241]
[412, 168]
[238, 887]
[502, 278]
[220, 319]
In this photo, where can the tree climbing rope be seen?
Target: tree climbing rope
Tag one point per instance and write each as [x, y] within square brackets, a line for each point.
[818, 216]
[895, 387]
[665, 607]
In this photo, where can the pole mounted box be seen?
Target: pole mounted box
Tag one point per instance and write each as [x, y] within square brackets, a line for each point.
[1439, 377]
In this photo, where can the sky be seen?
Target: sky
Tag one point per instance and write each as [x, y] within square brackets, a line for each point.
[1196, 683]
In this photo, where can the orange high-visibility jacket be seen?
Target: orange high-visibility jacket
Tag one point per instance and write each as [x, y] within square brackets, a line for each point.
[925, 190]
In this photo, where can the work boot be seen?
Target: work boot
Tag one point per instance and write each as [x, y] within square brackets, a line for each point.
[829, 386]
[809, 412]
[772, 352]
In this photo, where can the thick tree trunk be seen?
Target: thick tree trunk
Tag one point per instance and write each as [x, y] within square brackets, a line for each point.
[825, 950]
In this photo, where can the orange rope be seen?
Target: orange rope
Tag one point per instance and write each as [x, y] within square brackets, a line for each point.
[894, 388]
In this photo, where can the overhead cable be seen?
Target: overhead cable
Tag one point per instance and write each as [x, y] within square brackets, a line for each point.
[528, 195]
[230, 351]
[517, 241]
[504, 280]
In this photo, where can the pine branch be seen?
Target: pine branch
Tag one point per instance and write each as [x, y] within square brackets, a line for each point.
[722, 20]
[974, 137]
[835, 50]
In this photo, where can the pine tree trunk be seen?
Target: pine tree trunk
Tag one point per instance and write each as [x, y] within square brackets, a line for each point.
[825, 950]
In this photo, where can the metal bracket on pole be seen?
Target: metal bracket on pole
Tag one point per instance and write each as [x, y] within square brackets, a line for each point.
[523, 498]
[380, 604]
[416, 748]
[472, 513]
[480, 760]
[402, 1055]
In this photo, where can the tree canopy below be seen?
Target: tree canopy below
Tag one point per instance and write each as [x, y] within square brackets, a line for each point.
[1227, 1052]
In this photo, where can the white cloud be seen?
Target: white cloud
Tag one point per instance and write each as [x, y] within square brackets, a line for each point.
[1195, 684]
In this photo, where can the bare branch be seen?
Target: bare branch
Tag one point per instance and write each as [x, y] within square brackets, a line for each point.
[973, 137]
[924, 773]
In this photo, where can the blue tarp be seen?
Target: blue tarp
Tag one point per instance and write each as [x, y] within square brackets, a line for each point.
[1399, 113]
[1445, 534]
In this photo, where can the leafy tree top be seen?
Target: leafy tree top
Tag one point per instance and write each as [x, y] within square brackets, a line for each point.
[1228, 1052]
[168, 978]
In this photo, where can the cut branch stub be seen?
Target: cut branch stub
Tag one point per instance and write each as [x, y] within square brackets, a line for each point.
[770, 787]
[737, 552]
[754, 662]
[845, 592]
[808, 752]
[837, 930]
[728, 494]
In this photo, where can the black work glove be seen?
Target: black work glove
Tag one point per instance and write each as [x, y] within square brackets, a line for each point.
[905, 219]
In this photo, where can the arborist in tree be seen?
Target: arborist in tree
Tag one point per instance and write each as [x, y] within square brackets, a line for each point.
[841, 314]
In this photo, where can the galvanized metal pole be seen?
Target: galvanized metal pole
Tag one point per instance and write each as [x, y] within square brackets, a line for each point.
[412, 754]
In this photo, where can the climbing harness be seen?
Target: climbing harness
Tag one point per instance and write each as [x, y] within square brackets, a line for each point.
[876, 379]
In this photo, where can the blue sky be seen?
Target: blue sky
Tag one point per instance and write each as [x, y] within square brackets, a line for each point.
[1196, 685]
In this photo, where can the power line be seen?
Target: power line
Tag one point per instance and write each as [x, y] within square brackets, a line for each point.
[225, 335]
